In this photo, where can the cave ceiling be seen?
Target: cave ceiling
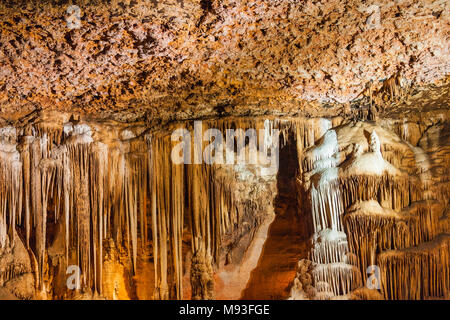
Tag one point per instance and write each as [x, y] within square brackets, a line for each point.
[140, 60]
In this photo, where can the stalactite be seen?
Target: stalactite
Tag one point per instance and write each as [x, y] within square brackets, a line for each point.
[167, 199]
[400, 192]
[100, 191]
[99, 185]
[201, 274]
[37, 209]
[416, 273]
[211, 210]
[399, 237]
[10, 186]
[79, 160]
[332, 274]
[26, 160]
[372, 229]
[159, 225]
[341, 277]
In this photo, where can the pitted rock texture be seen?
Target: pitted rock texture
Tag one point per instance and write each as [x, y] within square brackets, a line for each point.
[188, 56]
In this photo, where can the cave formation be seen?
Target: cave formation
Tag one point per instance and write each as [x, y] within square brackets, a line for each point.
[349, 100]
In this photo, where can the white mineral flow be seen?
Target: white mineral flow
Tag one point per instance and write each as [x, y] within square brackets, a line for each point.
[332, 273]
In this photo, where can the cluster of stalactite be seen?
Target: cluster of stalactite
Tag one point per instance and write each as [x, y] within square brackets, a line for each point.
[10, 186]
[210, 211]
[93, 189]
[370, 233]
[412, 221]
[10, 272]
[375, 97]
[209, 207]
[398, 192]
[124, 186]
[388, 216]
[118, 186]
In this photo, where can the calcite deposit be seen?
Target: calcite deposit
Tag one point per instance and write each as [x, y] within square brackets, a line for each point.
[192, 57]
[372, 215]
[233, 149]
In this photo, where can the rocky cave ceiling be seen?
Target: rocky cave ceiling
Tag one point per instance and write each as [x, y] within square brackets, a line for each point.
[134, 60]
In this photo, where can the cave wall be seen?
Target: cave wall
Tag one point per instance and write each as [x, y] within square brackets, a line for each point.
[107, 197]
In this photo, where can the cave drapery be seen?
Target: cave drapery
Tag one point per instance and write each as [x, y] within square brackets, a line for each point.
[72, 186]
[348, 100]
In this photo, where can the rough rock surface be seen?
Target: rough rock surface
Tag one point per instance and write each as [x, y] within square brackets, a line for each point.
[191, 56]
